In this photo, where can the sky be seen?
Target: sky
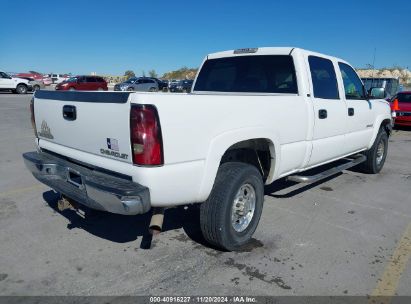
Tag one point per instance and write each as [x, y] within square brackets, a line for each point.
[110, 37]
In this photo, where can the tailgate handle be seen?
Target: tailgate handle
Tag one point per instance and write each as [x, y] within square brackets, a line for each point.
[69, 112]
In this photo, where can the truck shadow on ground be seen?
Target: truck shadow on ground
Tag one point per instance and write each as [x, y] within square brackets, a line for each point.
[122, 228]
[127, 228]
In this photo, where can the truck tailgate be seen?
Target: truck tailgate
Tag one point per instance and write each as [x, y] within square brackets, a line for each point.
[93, 122]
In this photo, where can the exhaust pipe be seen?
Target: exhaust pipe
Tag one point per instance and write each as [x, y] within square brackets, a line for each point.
[156, 223]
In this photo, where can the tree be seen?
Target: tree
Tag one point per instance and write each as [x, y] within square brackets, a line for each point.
[152, 73]
[129, 74]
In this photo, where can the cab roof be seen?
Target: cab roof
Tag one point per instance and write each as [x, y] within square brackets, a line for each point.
[268, 51]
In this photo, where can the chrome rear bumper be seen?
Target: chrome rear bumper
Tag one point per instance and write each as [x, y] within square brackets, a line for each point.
[92, 188]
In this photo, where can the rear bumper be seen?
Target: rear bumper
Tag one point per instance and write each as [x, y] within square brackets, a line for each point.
[92, 188]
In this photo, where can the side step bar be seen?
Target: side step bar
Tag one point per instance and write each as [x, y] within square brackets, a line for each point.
[358, 159]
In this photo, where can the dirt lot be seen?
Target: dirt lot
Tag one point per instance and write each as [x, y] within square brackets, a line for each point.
[349, 235]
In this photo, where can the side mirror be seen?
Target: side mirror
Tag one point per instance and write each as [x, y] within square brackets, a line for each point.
[377, 93]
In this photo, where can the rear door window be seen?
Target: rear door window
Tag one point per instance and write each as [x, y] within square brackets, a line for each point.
[323, 78]
[253, 74]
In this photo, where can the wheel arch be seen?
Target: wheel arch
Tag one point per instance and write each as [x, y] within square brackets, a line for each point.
[382, 121]
[221, 145]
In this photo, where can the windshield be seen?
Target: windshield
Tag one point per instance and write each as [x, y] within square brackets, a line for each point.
[404, 97]
[253, 74]
[72, 79]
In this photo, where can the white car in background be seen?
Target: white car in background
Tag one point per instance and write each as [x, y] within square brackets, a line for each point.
[14, 84]
[56, 78]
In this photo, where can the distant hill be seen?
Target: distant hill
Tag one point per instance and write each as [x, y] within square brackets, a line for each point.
[183, 73]
[404, 75]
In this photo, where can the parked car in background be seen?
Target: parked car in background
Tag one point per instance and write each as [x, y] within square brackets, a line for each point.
[35, 84]
[57, 78]
[142, 84]
[172, 82]
[14, 84]
[402, 108]
[165, 82]
[36, 76]
[83, 83]
[47, 80]
[182, 86]
[161, 84]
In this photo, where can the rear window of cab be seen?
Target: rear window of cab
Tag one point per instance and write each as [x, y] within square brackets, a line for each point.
[248, 74]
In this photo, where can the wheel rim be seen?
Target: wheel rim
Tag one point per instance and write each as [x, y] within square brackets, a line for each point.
[380, 152]
[243, 208]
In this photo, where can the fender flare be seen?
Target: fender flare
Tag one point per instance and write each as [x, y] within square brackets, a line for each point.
[220, 144]
[377, 124]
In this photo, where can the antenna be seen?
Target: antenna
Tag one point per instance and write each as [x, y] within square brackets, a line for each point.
[373, 62]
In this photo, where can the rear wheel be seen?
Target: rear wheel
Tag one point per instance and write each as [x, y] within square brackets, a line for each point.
[152, 90]
[36, 87]
[376, 155]
[231, 214]
[72, 89]
[100, 89]
[130, 89]
[21, 89]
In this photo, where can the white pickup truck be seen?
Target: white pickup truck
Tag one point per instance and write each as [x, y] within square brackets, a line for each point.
[253, 116]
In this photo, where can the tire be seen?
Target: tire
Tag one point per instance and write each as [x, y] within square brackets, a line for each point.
[72, 89]
[130, 89]
[218, 214]
[152, 90]
[100, 89]
[36, 87]
[21, 89]
[376, 155]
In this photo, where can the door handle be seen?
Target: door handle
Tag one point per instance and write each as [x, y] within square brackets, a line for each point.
[322, 114]
[350, 111]
[69, 112]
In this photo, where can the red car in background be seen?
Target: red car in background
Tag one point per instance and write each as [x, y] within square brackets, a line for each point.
[402, 108]
[83, 83]
[35, 76]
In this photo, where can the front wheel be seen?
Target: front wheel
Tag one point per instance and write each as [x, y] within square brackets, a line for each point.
[376, 155]
[231, 214]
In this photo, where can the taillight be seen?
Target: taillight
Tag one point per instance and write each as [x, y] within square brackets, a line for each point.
[145, 136]
[32, 117]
